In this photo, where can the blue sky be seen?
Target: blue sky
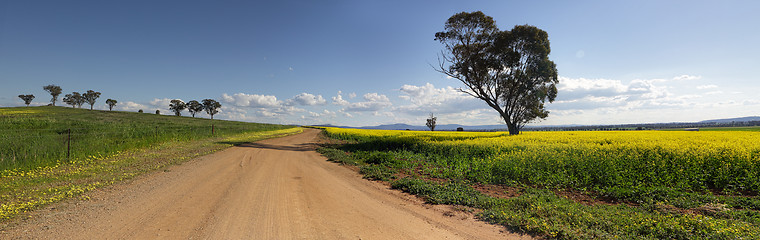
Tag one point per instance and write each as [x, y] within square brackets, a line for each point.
[360, 63]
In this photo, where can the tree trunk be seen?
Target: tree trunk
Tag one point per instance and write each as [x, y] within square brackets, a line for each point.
[512, 127]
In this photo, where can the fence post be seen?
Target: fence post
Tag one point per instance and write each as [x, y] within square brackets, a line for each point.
[212, 129]
[68, 145]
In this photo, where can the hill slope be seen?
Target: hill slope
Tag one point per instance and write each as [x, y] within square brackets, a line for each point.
[39, 136]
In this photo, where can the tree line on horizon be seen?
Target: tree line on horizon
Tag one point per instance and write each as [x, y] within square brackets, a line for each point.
[211, 107]
[76, 100]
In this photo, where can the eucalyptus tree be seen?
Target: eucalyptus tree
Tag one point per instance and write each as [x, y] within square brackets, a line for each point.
[194, 107]
[177, 106]
[211, 107]
[54, 91]
[431, 122]
[509, 70]
[90, 97]
[74, 99]
[111, 103]
[27, 98]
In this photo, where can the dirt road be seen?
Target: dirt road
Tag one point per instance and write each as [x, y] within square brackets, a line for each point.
[273, 189]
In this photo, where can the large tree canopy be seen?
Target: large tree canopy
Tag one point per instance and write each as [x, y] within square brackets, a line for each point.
[54, 91]
[74, 99]
[194, 107]
[177, 106]
[111, 103]
[90, 97]
[27, 98]
[509, 70]
[211, 106]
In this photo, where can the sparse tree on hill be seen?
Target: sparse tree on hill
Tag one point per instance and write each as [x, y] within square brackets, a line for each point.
[27, 98]
[111, 103]
[177, 106]
[431, 122]
[140, 111]
[211, 106]
[54, 91]
[90, 96]
[74, 99]
[158, 112]
[194, 107]
[509, 70]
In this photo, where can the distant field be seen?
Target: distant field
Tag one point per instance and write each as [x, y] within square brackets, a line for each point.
[751, 129]
[577, 185]
[39, 136]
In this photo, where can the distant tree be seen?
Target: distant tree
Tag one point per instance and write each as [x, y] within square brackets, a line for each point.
[90, 96]
[69, 99]
[74, 99]
[177, 106]
[111, 103]
[27, 98]
[158, 111]
[140, 111]
[54, 91]
[509, 70]
[194, 107]
[211, 106]
[431, 122]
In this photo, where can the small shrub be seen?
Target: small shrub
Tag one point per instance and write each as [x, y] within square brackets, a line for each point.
[377, 172]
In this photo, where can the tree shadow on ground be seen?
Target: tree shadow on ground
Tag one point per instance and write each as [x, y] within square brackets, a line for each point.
[303, 147]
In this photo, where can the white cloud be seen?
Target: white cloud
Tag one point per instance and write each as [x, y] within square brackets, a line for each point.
[426, 98]
[374, 102]
[707, 86]
[338, 100]
[617, 96]
[383, 114]
[345, 114]
[686, 78]
[130, 106]
[375, 97]
[366, 106]
[576, 88]
[351, 95]
[581, 88]
[326, 112]
[252, 100]
[307, 99]
[161, 104]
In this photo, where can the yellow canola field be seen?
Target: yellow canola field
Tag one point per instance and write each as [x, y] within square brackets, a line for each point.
[692, 160]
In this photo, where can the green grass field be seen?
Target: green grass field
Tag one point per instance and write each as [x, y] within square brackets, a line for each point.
[39, 136]
[106, 148]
